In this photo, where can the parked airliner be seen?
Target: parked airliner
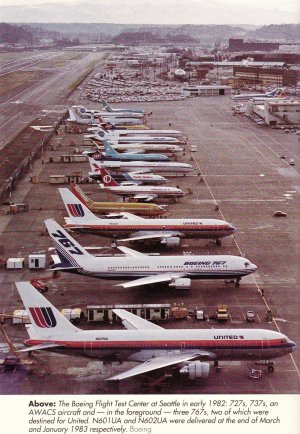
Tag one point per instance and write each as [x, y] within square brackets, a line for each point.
[139, 192]
[151, 346]
[115, 208]
[139, 166]
[132, 178]
[176, 271]
[82, 111]
[166, 231]
[109, 109]
[137, 147]
[112, 154]
[90, 119]
[275, 93]
[148, 132]
[136, 138]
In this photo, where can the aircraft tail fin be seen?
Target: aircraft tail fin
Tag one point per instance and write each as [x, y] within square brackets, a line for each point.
[109, 150]
[71, 254]
[78, 212]
[72, 115]
[106, 106]
[102, 134]
[76, 190]
[46, 321]
[107, 179]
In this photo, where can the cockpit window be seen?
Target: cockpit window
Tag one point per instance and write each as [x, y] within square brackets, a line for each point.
[283, 341]
[247, 264]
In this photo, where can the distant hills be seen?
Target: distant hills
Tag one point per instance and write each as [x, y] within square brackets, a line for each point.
[143, 34]
[12, 34]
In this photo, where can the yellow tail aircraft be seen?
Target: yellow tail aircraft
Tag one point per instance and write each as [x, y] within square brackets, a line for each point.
[148, 209]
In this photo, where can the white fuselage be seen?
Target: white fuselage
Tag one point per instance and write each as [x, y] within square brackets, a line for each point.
[222, 344]
[132, 190]
[159, 147]
[198, 228]
[115, 138]
[146, 166]
[192, 266]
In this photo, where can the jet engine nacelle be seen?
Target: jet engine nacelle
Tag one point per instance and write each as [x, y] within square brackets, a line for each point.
[196, 370]
[171, 242]
[182, 283]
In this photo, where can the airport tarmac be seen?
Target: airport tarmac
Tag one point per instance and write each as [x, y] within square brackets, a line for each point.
[243, 180]
[35, 82]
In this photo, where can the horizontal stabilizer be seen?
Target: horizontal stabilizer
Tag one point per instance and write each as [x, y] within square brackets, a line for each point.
[131, 252]
[39, 347]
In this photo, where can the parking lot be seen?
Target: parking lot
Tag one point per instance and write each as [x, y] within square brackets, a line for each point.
[240, 177]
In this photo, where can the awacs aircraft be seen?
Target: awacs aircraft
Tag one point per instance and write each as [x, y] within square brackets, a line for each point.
[137, 148]
[151, 346]
[139, 192]
[166, 231]
[112, 154]
[109, 109]
[275, 93]
[113, 209]
[137, 138]
[176, 271]
[91, 119]
[138, 166]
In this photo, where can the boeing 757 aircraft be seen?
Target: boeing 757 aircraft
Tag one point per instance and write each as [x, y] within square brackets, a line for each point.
[166, 231]
[176, 271]
[148, 344]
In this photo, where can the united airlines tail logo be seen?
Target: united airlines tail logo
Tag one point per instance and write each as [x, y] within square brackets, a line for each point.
[75, 209]
[43, 317]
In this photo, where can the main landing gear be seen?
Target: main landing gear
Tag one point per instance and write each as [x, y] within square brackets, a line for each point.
[236, 281]
[218, 242]
[270, 365]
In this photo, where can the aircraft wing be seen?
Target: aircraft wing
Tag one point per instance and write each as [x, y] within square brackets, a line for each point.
[39, 347]
[131, 252]
[152, 236]
[168, 359]
[135, 151]
[133, 322]
[149, 280]
[145, 197]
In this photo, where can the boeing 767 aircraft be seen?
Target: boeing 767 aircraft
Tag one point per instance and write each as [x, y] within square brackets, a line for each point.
[148, 344]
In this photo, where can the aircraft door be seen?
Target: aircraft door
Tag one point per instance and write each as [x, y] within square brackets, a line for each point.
[183, 345]
[265, 344]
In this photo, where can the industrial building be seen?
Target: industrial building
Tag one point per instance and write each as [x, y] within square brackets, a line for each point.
[267, 76]
[276, 113]
[206, 90]
[239, 45]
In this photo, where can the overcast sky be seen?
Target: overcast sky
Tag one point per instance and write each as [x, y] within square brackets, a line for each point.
[257, 12]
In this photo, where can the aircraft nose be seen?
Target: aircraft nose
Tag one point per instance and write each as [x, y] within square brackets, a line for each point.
[253, 267]
[231, 227]
[293, 345]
